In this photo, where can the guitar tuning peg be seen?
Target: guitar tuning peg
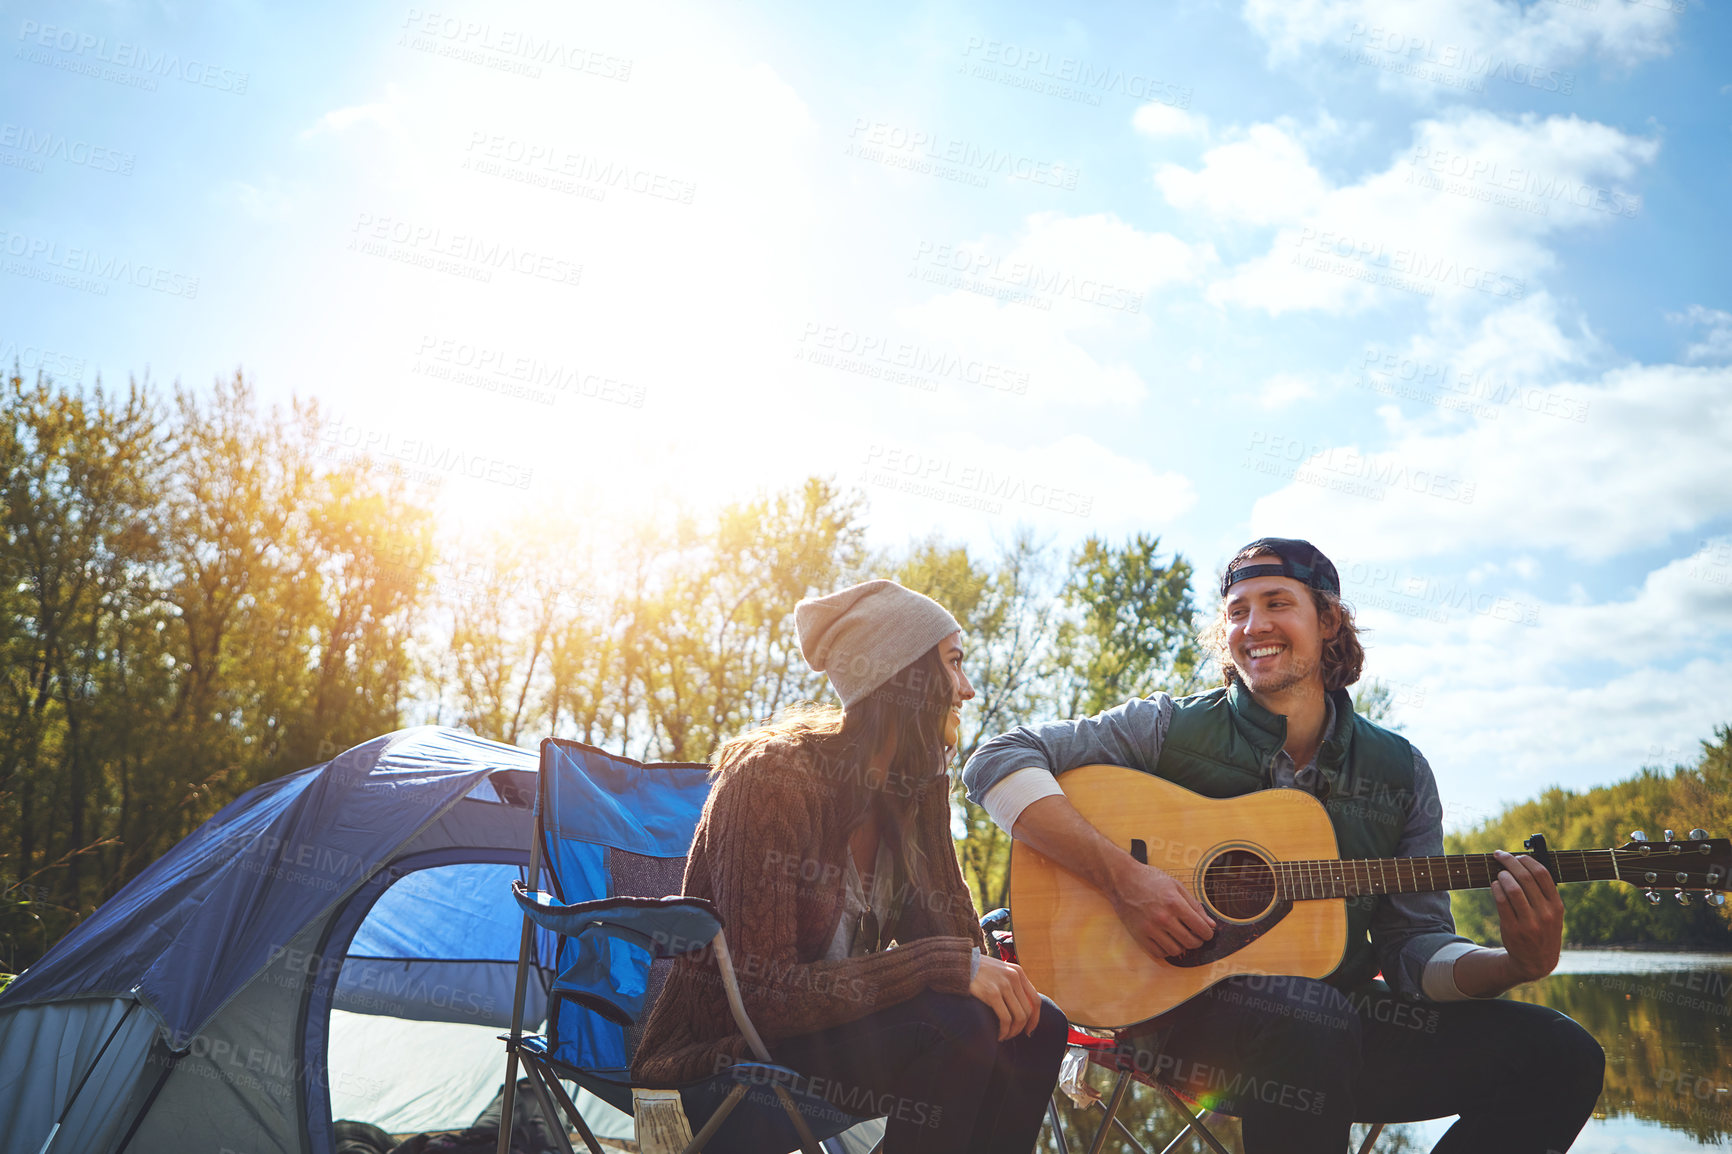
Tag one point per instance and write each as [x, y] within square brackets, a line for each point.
[1670, 836]
[1698, 835]
[1653, 898]
[1683, 898]
[1716, 899]
[1638, 835]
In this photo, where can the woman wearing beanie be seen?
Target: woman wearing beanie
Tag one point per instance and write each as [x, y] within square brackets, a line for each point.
[825, 845]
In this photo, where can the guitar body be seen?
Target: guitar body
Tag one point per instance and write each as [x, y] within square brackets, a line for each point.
[1078, 953]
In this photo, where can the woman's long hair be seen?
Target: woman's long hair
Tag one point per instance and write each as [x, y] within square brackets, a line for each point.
[911, 708]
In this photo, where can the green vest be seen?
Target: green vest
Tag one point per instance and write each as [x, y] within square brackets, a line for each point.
[1223, 744]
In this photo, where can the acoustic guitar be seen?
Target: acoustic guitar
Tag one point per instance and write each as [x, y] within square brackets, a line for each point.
[1266, 867]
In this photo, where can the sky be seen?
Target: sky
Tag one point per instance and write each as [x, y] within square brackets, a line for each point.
[1437, 285]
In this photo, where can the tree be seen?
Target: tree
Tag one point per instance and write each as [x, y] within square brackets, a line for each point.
[1130, 628]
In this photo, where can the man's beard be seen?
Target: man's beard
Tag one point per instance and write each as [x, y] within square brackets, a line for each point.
[1280, 682]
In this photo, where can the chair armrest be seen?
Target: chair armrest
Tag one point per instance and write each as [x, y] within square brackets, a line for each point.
[666, 927]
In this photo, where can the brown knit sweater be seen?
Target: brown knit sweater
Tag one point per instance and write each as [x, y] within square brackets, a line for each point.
[768, 852]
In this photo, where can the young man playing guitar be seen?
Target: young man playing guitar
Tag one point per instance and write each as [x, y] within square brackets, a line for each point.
[1299, 1059]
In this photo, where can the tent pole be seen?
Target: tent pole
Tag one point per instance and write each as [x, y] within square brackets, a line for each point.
[508, 1101]
[94, 1063]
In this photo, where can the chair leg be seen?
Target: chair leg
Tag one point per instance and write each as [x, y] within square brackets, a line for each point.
[547, 1109]
[570, 1108]
[715, 1120]
[1196, 1119]
[1057, 1128]
[1120, 1087]
[1128, 1136]
[1370, 1137]
[808, 1144]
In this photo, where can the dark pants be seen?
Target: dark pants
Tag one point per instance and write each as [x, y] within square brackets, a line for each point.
[1298, 1061]
[934, 1067]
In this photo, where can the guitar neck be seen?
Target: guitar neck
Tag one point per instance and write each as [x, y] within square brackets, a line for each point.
[1305, 880]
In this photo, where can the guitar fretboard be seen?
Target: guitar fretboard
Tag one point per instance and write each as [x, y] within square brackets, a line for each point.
[1305, 880]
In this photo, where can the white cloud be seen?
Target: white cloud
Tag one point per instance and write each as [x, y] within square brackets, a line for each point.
[1492, 42]
[1647, 459]
[1716, 342]
[1163, 120]
[1500, 708]
[1029, 303]
[1072, 485]
[1284, 389]
[383, 114]
[1264, 179]
[1461, 220]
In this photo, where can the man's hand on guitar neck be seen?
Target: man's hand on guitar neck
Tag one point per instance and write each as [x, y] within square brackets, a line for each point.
[1156, 910]
[1530, 918]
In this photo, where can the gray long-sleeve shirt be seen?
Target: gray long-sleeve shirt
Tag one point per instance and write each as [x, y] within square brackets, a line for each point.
[1412, 935]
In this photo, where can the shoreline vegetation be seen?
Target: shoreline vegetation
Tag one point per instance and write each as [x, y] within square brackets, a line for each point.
[1615, 915]
[197, 596]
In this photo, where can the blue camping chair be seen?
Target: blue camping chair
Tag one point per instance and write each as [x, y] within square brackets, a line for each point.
[610, 839]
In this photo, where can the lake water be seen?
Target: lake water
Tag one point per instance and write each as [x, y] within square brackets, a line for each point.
[1665, 1020]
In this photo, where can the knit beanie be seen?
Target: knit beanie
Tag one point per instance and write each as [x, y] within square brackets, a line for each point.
[864, 635]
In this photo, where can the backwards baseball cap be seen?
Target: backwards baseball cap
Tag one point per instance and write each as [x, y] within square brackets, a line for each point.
[1300, 560]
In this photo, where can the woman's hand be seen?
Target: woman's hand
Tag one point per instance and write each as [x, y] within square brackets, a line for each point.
[1006, 989]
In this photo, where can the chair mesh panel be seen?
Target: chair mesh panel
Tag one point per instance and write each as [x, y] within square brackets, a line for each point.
[639, 876]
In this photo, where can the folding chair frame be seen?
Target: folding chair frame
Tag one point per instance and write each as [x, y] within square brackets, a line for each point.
[544, 1081]
[1194, 1118]
[996, 925]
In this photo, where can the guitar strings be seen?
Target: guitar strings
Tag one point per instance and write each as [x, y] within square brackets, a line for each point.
[1263, 879]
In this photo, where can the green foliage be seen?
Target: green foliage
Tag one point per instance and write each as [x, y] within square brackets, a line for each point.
[189, 605]
[1375, 701]
[1606, 913]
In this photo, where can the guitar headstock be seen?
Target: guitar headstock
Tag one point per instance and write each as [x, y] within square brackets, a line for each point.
[1697, 865]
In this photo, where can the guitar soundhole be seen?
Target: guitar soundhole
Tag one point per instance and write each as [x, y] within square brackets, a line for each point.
[1239, 884]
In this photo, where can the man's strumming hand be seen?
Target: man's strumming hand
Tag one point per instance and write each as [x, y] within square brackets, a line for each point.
[1159, 913]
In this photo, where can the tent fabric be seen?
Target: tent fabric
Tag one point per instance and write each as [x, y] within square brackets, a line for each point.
[443, 1074]
[194, 927]
[46, 1053]
[212, 976]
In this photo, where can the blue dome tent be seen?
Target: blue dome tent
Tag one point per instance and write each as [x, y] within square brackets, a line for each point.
[339, 942]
